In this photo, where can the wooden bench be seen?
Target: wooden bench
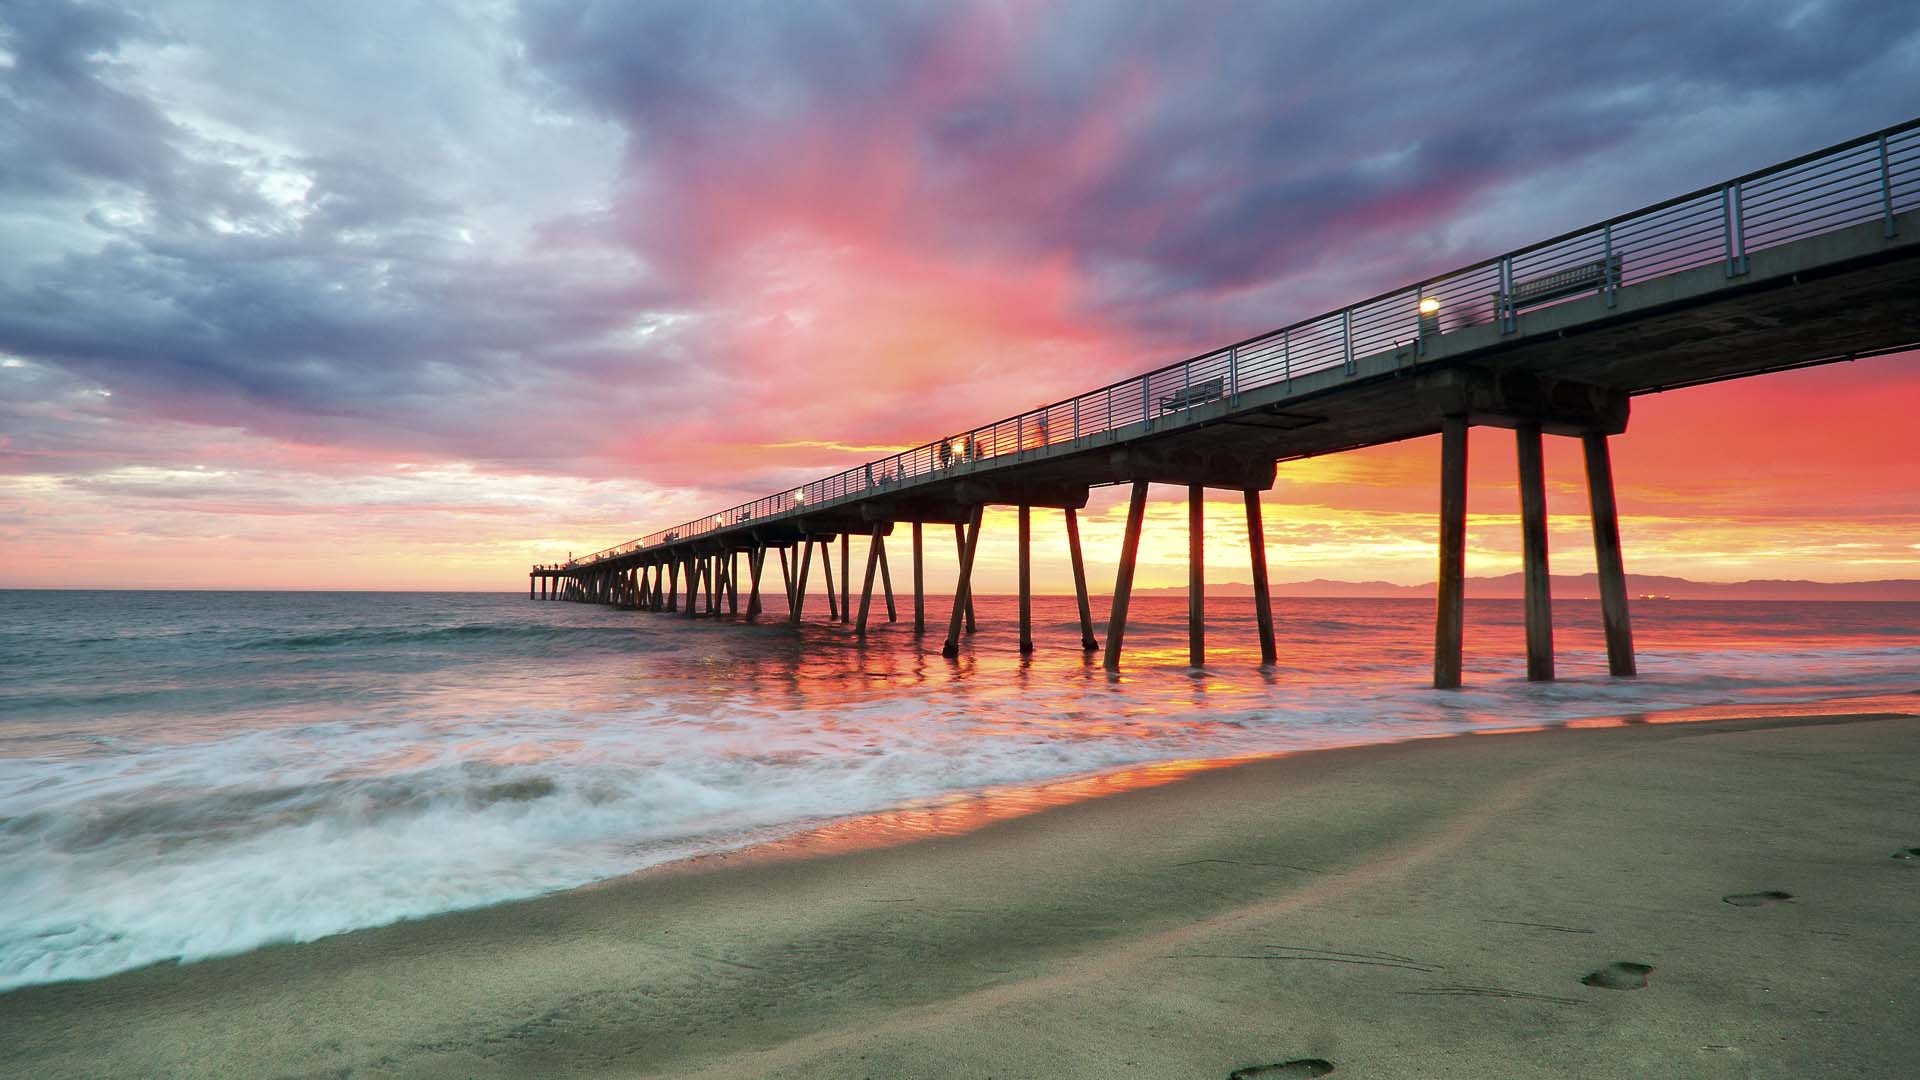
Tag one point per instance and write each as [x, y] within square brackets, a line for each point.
[1597, 274]
[1188, 397]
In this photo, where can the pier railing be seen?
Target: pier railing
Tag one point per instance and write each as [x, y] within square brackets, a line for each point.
[1872, 177]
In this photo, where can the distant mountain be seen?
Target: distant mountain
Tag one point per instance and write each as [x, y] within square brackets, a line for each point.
[1587, 586]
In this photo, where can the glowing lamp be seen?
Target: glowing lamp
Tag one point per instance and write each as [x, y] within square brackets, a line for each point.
[1429, 305]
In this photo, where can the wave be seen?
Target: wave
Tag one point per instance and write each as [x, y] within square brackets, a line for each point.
[361, 636]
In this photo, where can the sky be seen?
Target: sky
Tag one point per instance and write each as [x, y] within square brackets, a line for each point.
[412, 295]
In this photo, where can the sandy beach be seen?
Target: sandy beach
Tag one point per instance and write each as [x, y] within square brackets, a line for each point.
[1421, 909]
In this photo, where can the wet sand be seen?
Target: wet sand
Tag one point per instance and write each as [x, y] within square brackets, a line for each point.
[1694, 900]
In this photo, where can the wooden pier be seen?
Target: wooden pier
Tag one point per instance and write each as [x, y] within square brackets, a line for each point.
[1756, 275]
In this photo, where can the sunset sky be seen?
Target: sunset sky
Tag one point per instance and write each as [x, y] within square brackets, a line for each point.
[381, 295]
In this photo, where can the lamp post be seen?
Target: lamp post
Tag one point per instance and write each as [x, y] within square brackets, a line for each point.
[1429, 316]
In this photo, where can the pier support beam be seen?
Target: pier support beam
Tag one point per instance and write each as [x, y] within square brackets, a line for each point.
[963, 588]
[826, 568]
[960, 548]
[800, 582]
[1123, 583]
[673, 584]
[1450, 614]
[886, 585]
[1196, 575]
[786, 579]
[1262, 597]
[1533, 543]
[876, 548]
[756, 561]
[846, 577]
[919, 584]
[1087, 641]
[694, 564]
[1606, 549]
[1026, 578]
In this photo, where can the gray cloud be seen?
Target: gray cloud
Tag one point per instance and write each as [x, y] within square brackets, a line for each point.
[431, 233]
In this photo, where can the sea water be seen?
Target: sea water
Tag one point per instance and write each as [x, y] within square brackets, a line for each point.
[189, 774]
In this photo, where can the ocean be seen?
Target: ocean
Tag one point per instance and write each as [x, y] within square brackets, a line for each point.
[191, 774]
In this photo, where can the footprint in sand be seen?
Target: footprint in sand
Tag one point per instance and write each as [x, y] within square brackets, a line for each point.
[1620, 975]
[1758, 899]
[1907, 853]
[1286, 1070]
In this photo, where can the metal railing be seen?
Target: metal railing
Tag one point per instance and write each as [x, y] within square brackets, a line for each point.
[1873, 176]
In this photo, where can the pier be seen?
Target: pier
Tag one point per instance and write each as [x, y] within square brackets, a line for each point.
[1810, 261]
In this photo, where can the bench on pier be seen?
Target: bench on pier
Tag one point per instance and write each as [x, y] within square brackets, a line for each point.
[1594, 275]
[1188, 396]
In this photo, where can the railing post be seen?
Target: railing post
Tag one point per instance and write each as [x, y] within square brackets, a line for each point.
[1286, 356]
[1736, 239]
[1886, 191]
[1233, 375]
[1606, 262]
[1146, 400]
[1346, 334]
[1076, 422]
[1508, 323]
[1019, 435]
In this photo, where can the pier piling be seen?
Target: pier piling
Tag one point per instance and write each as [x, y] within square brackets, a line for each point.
[1087, 641]
[960, 548]
[1606, 549]
[800, 581]
[1262, 596]
[1196, 575]
[1026, 578]
[963, 587]
[826, 568]
[786, 578]
[846, 576]
[756, 561]
[886, 585]
[1123, 582]
[1451, 584]
[875, 546]
[919, 584]
[1533, 543]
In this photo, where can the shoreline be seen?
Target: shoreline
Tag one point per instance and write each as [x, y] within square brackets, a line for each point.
[1040, 942]
[959, 813]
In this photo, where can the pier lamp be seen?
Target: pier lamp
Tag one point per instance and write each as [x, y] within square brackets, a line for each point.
[1429, 315]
